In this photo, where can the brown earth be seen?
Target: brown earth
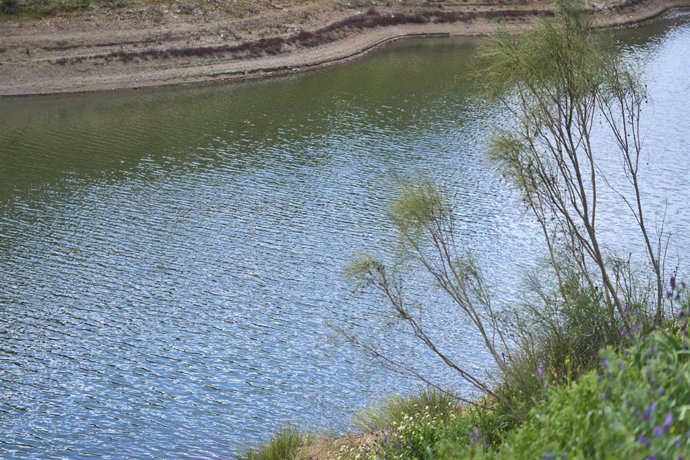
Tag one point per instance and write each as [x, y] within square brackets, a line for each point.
[146, 43]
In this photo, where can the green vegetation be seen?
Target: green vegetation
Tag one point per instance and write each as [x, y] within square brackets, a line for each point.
[634, 401]
[409, 428]
[420, 426]
[634, 404]
[557, 84]
[284, 445]
[596, 365]
[46, 7]
[429, 404]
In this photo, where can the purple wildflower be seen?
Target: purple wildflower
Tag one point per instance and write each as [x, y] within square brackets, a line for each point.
[605, 363]
[669, 294]
[668, 422]
[548, 457]
[672, 282]
[657, 431]
[650, 411]
[681, 313]
[644, 440]
[476, 436]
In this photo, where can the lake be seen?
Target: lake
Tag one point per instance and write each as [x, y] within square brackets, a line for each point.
[172, 260]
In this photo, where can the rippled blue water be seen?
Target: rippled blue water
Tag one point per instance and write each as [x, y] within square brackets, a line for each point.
[171, 260]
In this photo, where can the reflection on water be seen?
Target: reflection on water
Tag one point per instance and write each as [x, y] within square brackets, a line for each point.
[171, 260]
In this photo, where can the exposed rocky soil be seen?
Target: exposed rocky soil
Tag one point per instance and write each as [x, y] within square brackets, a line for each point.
[143, 43]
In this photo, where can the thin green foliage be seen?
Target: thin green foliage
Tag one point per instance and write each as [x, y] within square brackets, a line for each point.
[555, 56]
[284, 445]
[557, 82]
[557, 340]
[426, 229]
[419, 207]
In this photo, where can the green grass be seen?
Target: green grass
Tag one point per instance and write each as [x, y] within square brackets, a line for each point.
[284, 445]
[411, 428]
[434, 404]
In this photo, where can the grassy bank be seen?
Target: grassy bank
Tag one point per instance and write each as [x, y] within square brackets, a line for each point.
[633, 403]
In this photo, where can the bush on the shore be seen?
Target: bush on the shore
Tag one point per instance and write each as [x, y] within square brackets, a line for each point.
[635, 404]
[432, 403]
[409, 427]
[556, 83]
[284, 445]
[631, 406]
[414, 435]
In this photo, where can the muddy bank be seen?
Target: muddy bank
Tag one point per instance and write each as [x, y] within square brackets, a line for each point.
[81, 53]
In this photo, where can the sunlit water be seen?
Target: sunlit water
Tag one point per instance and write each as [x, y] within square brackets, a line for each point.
[172, 260]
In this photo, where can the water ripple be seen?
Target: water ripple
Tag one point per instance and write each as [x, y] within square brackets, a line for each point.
[172, 260]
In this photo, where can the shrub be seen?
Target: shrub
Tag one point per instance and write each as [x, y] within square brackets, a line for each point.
[438, 405]
[419, 427]
[558, 340]
[8, 6]
[636, 404]
[407, 428]
[284, 445]
[557, 83]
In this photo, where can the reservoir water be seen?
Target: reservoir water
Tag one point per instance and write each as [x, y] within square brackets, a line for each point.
[171, 261]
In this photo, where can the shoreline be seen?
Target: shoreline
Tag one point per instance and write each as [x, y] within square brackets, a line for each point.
[38, 62]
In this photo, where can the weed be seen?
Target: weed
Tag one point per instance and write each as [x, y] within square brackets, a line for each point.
[284, 445]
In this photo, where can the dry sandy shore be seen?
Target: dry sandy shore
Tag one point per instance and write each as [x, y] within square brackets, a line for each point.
[109, 50]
